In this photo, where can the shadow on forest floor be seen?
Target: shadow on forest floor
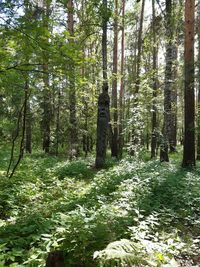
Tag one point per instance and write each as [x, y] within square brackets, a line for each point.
[48, 194]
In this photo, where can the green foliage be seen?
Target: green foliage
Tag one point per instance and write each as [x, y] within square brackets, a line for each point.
[50, 204]
[78, 169]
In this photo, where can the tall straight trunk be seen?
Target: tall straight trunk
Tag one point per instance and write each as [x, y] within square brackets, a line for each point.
[28, 123]
[115, 147]
[73, 135]
[198, 100]
[154, 113]
[28, 143]
[46, 122]
[121, 98]
[189, 132]
[135, 135]
[58, 122]
[139, 48]
[173, 120]
[103, 115]
[168, 84]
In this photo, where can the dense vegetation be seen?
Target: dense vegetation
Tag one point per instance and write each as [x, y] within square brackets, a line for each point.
[147, 212]
[92, 93]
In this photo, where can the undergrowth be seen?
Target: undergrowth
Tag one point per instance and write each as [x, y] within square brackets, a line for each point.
[134, 213]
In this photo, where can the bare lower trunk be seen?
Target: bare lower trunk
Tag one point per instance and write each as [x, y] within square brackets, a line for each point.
[28, 143]
[121, 99]
[114, 149]
[198, 101]
[72, 90]
[189, 133]
[168, 85]
[103, 115]
[154, 113]
[46, 121]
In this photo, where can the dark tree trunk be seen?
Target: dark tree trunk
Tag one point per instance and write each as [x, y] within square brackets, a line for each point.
[173, 120]
[103, 115]
[46, 121]
[58, 122]
[102, 129]
[121, 98]
[168, 84]
[115, 148]
[135, 136]
[28, 143]
[139, 48]
[189, 131]
[72, 90]
[154, 113]
[198, 100]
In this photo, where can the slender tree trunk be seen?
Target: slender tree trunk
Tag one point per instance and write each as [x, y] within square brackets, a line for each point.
[21, 148]
[173, 120]
[103, 115]
[46, 122]
[115, 147]
[168, 84]
[28, 143]
[139, 48]
[121, 98]
[154, 113]
[189, 132]
[72, 90]
[58, 122]
[135, 136]
[198, 100]
[28, 123]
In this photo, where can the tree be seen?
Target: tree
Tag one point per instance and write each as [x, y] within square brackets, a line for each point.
[189, 110]
[121, 98]
[168, 84]
[198, 99]
[72, 90]
[46, 121]
[103, 100]
[115, 146]
[154, 112]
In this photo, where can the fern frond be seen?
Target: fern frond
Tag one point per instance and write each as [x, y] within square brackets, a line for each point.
[124, 253]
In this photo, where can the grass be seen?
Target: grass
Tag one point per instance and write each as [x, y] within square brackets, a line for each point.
[53, 204]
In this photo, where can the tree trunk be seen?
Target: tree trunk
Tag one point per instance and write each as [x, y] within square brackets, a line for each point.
[189, 131]
[115, 148]
[134, 135]
[72, 90]
[28, 143]
[58, 122]
[121, 99]
[139, 48]
[168, 84]
[103, 101]
[173, 120]
[46, 121]
[154, 113]
[198, 100]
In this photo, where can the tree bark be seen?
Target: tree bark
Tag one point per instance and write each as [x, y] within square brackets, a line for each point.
[121, 98]
[72, 90]
[115, 147]
[139, 48]
[46, 121]
[103, 115]
[198, 99]
[154, 112]
[189, 122]
[28, 143]
[168, 84]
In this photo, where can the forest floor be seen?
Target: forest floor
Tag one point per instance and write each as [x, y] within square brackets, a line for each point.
[133, 213]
